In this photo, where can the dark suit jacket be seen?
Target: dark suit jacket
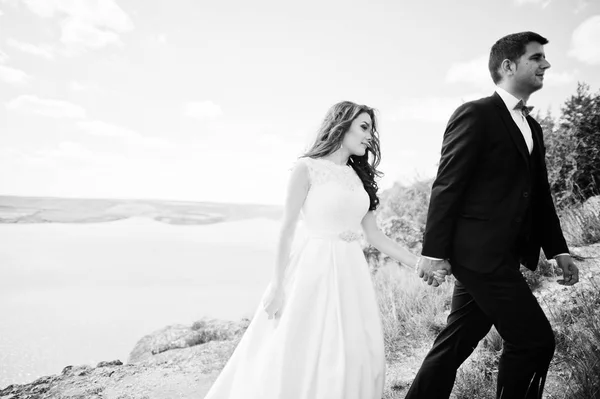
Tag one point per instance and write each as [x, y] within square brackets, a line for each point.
[490, 202]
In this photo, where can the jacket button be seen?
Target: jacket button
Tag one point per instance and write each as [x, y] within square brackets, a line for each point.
[525, 194]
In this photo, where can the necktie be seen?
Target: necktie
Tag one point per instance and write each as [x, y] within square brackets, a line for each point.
[525, 110]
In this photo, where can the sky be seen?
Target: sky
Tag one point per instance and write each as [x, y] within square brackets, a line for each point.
[214, 100]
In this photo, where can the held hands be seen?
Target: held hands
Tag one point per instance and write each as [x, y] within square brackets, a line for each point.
[433, 272]
[570, 271]
[273, 301]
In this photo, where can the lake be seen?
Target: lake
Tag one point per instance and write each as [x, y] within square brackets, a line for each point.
[81, 293]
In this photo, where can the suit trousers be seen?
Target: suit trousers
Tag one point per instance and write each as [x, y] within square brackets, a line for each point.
[501, 298]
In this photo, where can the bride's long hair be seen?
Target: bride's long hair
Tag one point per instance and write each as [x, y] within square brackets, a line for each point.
[331, 134]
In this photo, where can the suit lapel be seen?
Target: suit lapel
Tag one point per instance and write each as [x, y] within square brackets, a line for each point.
[512, 128]
[537, 136]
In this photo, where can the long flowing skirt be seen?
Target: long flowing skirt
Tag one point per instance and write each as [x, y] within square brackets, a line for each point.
[328, 341]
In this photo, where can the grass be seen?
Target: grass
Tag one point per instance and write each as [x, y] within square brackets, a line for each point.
[413, 313]
[576, 364]
[411, 310]
[544, 269]
[581, 223]
[477, 376]
[577, 331]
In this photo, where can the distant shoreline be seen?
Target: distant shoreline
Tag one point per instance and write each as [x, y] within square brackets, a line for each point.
[21, 210]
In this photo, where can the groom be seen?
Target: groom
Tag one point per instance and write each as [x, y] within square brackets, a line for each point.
[491, 211]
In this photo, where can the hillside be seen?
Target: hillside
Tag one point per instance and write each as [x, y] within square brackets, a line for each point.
[182, 361]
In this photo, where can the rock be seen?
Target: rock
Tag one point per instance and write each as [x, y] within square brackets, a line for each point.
[33, 390]
[552, 295]
[76, 370]
[592, 205]
[109, 364]
[139, 381]
[158, 341]
[219, 330]
[179, 336]
[576, 222]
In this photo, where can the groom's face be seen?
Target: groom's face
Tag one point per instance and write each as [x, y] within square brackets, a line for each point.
[530, 68]
[358, 136]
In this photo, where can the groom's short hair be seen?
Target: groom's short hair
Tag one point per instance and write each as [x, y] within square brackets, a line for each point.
[511, 47]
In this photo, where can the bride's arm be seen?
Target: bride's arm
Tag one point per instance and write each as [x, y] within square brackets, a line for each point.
[296, 194]
[376, 238]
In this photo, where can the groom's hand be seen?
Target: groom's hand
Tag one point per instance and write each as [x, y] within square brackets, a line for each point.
[570, 271]
[426, 269]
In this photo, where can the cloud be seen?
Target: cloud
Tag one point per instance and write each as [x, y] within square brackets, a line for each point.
[559, 78]
[543, 3]
[11, 157]
[3, 57]
[429, 109]
[584, 42]
[131, 137]
[69, 150]
[11, 3]
[474, 72]
[75, 169]
[46, 107]
[85, 24]
[66, 153]
[99, 128]
[203, 110]
[158, 143]
[41, 51]
[14, 76]
[581, 5]
[81, 86]
[80, 34]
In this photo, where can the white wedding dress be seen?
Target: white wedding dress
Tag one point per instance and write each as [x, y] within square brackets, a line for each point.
[328, 342]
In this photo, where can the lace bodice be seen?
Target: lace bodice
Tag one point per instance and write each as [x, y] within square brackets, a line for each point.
[336, 200]
[323, 171]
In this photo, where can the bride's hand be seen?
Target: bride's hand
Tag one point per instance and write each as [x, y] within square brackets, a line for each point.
[440, 276]
[273, 301]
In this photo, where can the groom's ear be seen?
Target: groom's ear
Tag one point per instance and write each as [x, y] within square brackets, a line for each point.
[507, 68]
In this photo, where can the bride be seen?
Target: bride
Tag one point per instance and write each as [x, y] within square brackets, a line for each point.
[318, 334]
